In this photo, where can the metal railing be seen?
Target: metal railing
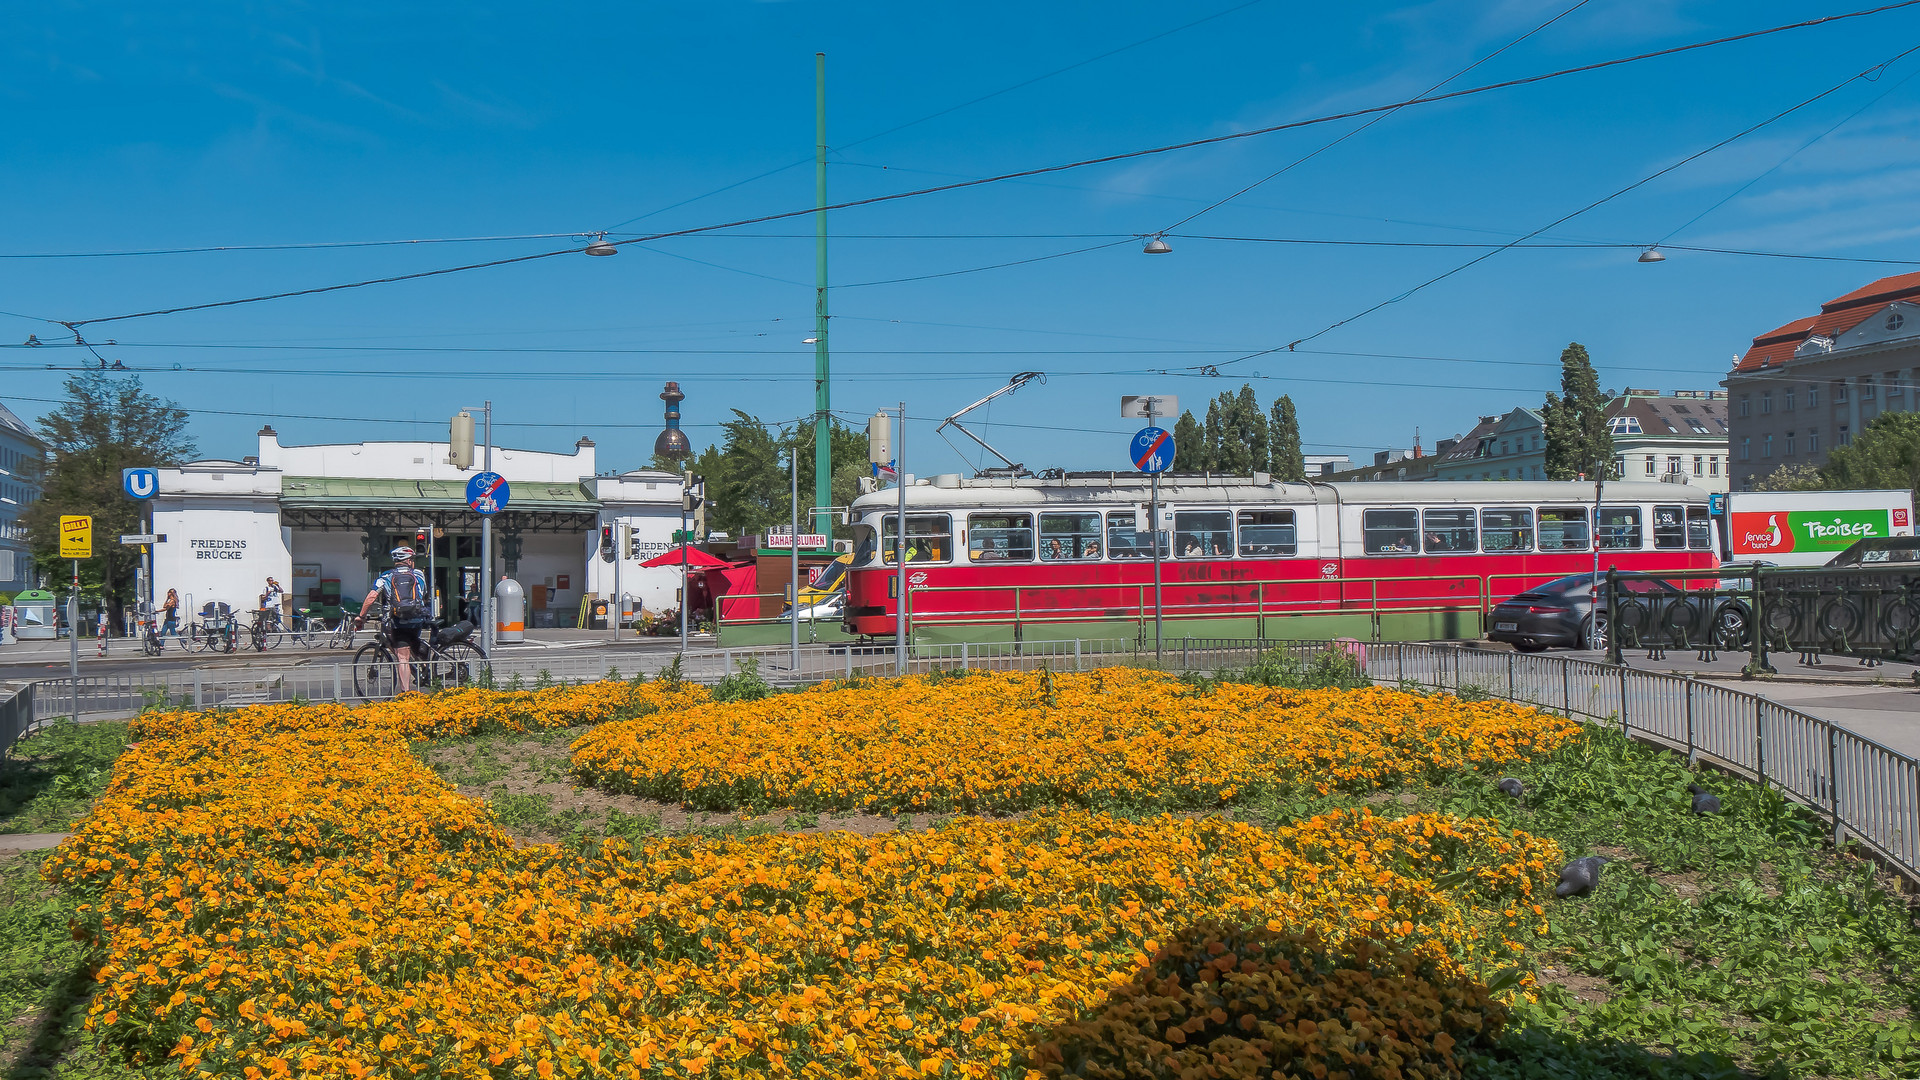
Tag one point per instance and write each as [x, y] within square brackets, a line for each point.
[16, 714]
[1869, 612]
[1863, 789]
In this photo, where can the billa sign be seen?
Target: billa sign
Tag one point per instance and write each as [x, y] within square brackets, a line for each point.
[1778, 532]
[76, 537]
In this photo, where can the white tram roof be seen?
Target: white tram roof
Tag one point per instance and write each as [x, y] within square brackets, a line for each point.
[1191, 489]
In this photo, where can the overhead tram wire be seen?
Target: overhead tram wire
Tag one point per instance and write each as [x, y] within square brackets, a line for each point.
[1039, 171]
[1377, 118]
[949, 109]
[1522, 246]
[312, 246]
[1650, 177]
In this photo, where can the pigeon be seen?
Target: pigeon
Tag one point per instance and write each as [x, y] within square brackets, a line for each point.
[1704, 802]
[1510, 787]
[1578, 877]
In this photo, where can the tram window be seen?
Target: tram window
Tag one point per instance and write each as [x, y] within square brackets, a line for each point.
[929, 537]
[1450, 530]
[1000, 537]
[1124, 543]
[1202, 534]
[1391, 532]
[1267, 532]
[1669, 528]
[1620, 528]
[1069, 537]
[1508, 529]
[1563, 528]
[1699, 528]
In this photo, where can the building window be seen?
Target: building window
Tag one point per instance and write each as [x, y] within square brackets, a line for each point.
[1894, 386]
[1788, 452]
[1620, 466]
[1813, 396]
[1766, 445]
[1840, 392]
[1673, 465]
[1746, 409]
[1699, 465]
[1766, 402]
[1846, 437]
[1786, 399]
[1713, 466]
[1746, 449]
[1813, 440]
[1866, 388]
[1651, 460]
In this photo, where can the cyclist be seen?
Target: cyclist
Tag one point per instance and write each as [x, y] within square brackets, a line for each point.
[405, 589]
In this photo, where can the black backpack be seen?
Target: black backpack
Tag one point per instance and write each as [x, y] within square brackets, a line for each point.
[409, 607]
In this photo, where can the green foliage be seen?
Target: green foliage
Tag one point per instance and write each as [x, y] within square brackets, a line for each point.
[1236, 434]
[1575, 420]
[1803, 476]
[1328, 668]
[747, 472]
[51, 776]
[744, 684]
[1885, 455]
[1284, 458]
[1189, 445]
[105, 424]
[527, 808]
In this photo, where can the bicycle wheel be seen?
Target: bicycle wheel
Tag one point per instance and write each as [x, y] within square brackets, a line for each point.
[373, 674]
[459, 664]
[197, 639]
[257, 637]
[275, 632]
[150, 642]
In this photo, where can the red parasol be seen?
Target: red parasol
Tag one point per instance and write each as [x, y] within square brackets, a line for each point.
[695, 559]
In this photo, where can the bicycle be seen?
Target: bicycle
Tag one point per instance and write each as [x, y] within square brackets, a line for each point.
[216, 631]
[150, 642]
[308, 631]
[451, 660]
[266, 630]
[341, 636]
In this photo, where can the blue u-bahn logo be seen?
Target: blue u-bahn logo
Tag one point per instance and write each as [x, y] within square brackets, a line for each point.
[140, 483]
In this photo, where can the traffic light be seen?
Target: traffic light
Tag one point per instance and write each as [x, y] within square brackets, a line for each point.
[460, 441]
[606, 542]
[420, 541]
[692, 492]
[632, 545]
[700, 522]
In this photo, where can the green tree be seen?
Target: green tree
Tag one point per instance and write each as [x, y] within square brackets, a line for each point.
[749, 486]
[1284, 459]
[1576, 419]
[1189, 445]
[104, 425]
[1236, 434]
[1886, 455]
[1800, 477]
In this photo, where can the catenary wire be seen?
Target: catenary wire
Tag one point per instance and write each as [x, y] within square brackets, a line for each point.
[1650, 177]
[1039, 171]
[1371, 121]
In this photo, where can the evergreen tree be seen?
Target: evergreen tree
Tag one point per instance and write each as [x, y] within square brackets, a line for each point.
[1284, 459]
[1575, 420]
[749, 488]
[104, 426]
[1886, 455]
[1189, 445]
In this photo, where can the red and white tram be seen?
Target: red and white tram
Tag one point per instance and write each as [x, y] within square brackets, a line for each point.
[1388, 561]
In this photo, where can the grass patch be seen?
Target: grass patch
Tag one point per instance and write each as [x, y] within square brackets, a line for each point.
[50, 778]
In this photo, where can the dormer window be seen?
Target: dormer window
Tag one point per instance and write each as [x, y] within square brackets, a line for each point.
[1624, 425]
[1895, 321]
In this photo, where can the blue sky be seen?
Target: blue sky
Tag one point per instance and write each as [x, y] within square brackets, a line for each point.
[138, 127]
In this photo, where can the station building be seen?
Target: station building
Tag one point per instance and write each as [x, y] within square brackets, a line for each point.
[321, 520]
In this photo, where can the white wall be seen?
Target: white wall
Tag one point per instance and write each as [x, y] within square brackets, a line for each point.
[219, 550]
[339, 555]
[420, 461]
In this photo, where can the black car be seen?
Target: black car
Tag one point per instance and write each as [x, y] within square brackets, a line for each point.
[1880, 551]
[1563, 612]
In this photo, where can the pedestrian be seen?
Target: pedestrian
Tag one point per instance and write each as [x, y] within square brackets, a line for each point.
[170, 612]
[101, 628]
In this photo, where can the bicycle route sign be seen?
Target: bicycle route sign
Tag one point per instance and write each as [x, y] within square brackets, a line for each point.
[1152, 450]
[487, 493]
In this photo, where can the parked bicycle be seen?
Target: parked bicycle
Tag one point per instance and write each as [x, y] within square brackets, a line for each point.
[266, 631]
[215, 630]
[150, 642]
[451, 660]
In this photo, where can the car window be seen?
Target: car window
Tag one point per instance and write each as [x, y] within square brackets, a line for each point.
[999, 537]
[1450, 531]
[1620, 528]
[1390, 532]
[1069, 537]
[1505, 529]
[1267, 532]
[1202, 534]
[1563, 528]
[1124, 543]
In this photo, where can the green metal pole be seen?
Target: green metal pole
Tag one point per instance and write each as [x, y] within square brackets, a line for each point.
[822, 395]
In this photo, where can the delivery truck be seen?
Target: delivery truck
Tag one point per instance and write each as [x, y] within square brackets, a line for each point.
[1807, 528]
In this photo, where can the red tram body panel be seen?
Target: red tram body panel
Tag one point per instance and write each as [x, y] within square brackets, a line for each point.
[1073, 550]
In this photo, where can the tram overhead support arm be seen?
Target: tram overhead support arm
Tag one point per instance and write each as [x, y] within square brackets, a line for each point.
[1012, 467]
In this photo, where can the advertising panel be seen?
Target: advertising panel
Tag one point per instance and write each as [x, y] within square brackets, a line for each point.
[1760, 535]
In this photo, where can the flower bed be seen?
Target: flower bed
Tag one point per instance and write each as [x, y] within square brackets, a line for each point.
[288, 892]
[1116, 738]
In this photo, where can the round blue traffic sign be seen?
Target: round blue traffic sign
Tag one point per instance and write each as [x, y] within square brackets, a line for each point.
[487, 493]
[140, 483]
[1152, 450]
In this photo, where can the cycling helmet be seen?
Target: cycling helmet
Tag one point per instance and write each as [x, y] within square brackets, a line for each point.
[401, 553]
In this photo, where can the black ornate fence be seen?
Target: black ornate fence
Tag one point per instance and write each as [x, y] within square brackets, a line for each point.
[1871, 613]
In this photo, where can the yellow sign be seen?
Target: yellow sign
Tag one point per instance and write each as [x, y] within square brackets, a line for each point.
[76, 537]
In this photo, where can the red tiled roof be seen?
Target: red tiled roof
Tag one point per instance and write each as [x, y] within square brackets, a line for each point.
[1837, 316]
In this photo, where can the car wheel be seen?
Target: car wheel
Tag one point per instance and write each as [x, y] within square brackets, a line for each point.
[1730, 628]
[1593, 632]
